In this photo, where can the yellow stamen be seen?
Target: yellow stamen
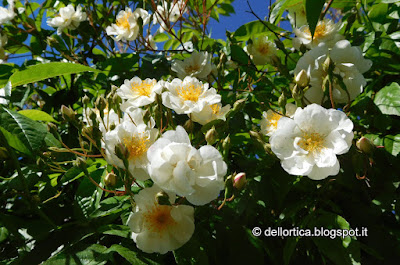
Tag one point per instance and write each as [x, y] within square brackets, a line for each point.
[320, 31]
[273, 120]
[137, 146]
[190, 92]
[143, 89]
[159, 218]
[124, 22]
[312, 142]
[215, 109]
[192, 69]
[263, 48]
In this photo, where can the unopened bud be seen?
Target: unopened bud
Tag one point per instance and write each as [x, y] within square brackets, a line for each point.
[110, 179]
[239, 105]
[116, 100]
[302, 79]
[101, 104]
[52, 128]
[239, 181]
[67, 113]
[365, 145]
[327, 65]
[189, 125]
[282, 100]
[121, 151]
[162, 198]
[211, 136]
[226, 144]
[297, 92]
[85, 100]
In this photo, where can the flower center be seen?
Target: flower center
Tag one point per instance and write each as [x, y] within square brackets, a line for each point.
[312, 142]
[320, 31]
[215, 109]
[159, 218]
[136, 146]
[143, 89]
[123, 22]
[192, 69]
[273, 120]
[263, 48]
[190, 92]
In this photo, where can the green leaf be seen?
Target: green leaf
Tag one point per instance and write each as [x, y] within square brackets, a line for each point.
[254, 29]
[239, 55]
[37, 115]
[3, 234]
[313, 11]
[15, 142]
[388, 99]
[31, 133]
[44, 71]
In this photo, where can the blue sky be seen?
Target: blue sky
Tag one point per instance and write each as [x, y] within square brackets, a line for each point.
[240, 17]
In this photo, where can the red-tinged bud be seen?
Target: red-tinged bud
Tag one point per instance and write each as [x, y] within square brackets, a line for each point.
[239, 181]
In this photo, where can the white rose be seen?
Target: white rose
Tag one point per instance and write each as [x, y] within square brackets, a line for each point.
[327, 31]
[68, 18]
[261, 51]
[137, 137]
[197, 65]
[270, 118]
[189, 95]
[127, 28]
[308, 144]
[349, 64]
[138, 93]
[176, 166]
[210, 113]
[160, 228]
[7, 14]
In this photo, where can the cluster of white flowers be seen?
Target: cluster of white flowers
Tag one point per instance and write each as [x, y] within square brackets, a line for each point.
[261, 50]
[68, 18]
[171, 162]
[308, 143]
[349, 64]
[127, 27]
[7, 14]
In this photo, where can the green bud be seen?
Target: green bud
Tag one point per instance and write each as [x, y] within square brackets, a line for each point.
[282, 101]
[121, 151]
[162, 198]
[297, 92]
[116, 100]
[52, 128]
[67, 113]
[211, 136]
[327, 65]
[110, 179]
[85, 100]
[239, 105]
[226, 144]
[189, 125]
[366, 146]
[101, 104]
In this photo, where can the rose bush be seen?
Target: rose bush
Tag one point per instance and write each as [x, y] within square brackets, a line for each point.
[128, 135]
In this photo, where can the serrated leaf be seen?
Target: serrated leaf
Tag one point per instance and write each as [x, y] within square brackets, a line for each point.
[37, 115]
[48, 70]
[29, 132]
[388, 99]
[313, 11]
